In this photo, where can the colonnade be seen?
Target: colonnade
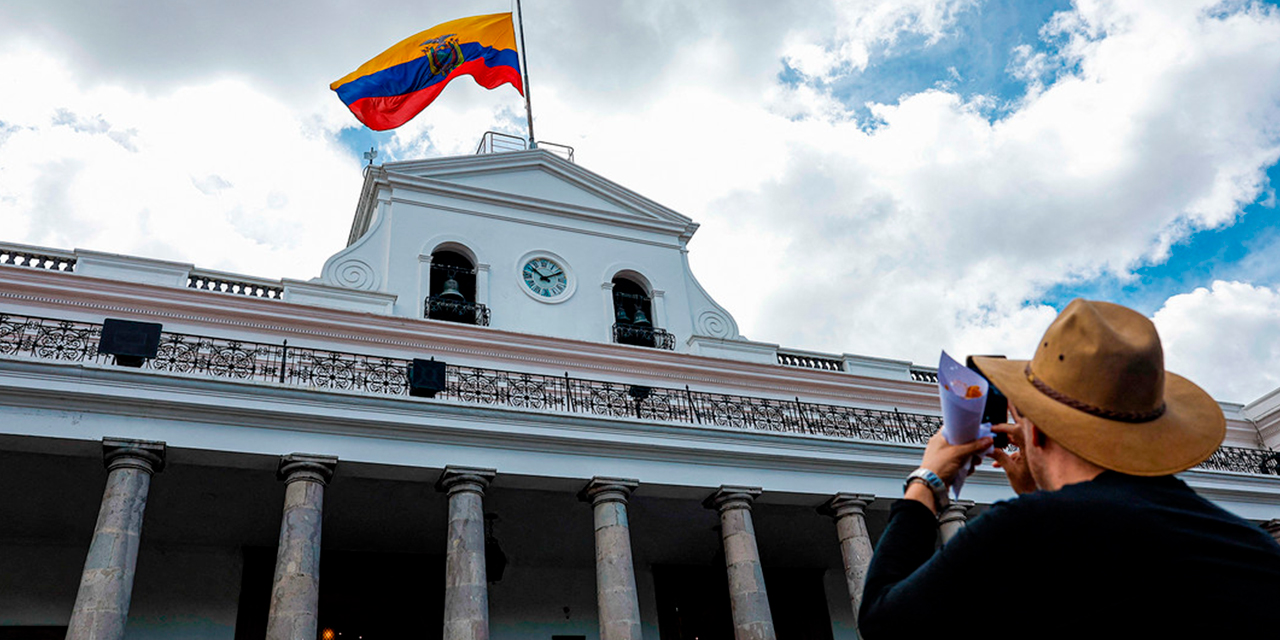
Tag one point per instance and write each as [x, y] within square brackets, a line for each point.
[102, 602]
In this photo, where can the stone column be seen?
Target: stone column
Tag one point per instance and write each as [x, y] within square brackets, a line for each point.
[102, 603]
[952, 519]
[848, 510]
[751, 617]
[295, 592]
[618, 603]
[466, 590]
[1273, 527]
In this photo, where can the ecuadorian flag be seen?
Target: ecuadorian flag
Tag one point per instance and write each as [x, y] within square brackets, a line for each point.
[392, 88]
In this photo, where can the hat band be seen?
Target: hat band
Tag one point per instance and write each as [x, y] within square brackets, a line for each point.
[1110, 414]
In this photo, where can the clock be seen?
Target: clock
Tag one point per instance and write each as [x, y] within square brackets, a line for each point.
[545, 277]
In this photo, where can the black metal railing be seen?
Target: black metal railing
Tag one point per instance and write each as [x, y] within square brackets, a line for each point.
[643, 336]
[809, 362]
[1260, 461]
[452, 310]
[64, 340]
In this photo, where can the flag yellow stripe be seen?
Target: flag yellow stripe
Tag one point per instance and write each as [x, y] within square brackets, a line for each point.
[493, 30]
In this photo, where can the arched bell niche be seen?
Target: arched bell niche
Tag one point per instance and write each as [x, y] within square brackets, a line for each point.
[452, 289]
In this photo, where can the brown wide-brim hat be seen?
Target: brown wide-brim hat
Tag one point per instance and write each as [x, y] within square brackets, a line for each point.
[1098, 387]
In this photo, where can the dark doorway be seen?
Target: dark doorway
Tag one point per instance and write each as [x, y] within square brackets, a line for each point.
[798, 602]
[693, 603]
[363, 596]
[33, 633]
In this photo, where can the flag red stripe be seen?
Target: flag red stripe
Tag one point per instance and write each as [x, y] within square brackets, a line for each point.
[388, 112]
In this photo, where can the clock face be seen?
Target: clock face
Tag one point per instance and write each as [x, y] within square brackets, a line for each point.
[544, 277]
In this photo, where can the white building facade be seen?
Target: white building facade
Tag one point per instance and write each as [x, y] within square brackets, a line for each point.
[605, 455]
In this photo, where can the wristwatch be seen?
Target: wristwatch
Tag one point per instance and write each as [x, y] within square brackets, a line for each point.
[933, 482]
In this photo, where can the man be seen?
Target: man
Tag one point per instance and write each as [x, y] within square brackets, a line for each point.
[1102, 541]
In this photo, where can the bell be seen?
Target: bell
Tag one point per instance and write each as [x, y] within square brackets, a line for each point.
[451, 292]
[622, 315]
[641, 318]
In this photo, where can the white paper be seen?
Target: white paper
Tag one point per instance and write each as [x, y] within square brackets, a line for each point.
[961, 416]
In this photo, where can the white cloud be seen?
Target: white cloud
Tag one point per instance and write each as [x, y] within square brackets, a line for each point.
[934, 229]
[857, 27]
[1225, 338]
[217, 174]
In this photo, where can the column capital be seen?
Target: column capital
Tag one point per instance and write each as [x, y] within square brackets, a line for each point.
[844, 504]
[306, 466]
[122, 453]
[460, 479]
[957, 511]
[729, 497]
[602, 489]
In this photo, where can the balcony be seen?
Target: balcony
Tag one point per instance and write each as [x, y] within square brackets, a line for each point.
[453, 310]
[643, 336]
[28, 337]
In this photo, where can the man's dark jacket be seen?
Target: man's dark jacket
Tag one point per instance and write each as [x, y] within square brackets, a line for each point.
[1118, 556]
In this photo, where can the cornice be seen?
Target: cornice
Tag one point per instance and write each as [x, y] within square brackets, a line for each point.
[535, 205]
[670, 244]
[59, 291]
[546, 161]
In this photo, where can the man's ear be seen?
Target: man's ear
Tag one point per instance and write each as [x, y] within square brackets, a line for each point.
[1038, 437]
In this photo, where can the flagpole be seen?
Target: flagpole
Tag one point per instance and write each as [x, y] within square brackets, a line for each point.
[524, 68]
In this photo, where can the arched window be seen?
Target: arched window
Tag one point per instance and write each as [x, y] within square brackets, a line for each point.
[633, 316]
[452, 290]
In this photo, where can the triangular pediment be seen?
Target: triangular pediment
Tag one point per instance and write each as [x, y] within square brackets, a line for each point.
[545, 178]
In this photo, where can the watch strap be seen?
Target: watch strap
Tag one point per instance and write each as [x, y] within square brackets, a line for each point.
[933, 482]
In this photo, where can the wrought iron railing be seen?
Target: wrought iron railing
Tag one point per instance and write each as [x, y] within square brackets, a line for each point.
[806, 361]
[438, 308]
[63, 340]
[643, 336]
[1244, 460]
[239, 286]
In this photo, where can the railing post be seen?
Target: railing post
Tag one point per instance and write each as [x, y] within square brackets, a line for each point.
[284, 356]
[800, 412]
[692, 407]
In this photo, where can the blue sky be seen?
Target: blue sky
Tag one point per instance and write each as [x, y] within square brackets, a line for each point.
[1247, 250]
[972, 58]
[975, 58]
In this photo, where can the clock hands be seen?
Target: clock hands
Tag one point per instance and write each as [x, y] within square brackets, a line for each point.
[545, 276]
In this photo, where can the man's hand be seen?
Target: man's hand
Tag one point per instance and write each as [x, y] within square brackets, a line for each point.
[946, 459]
[1015, 464]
